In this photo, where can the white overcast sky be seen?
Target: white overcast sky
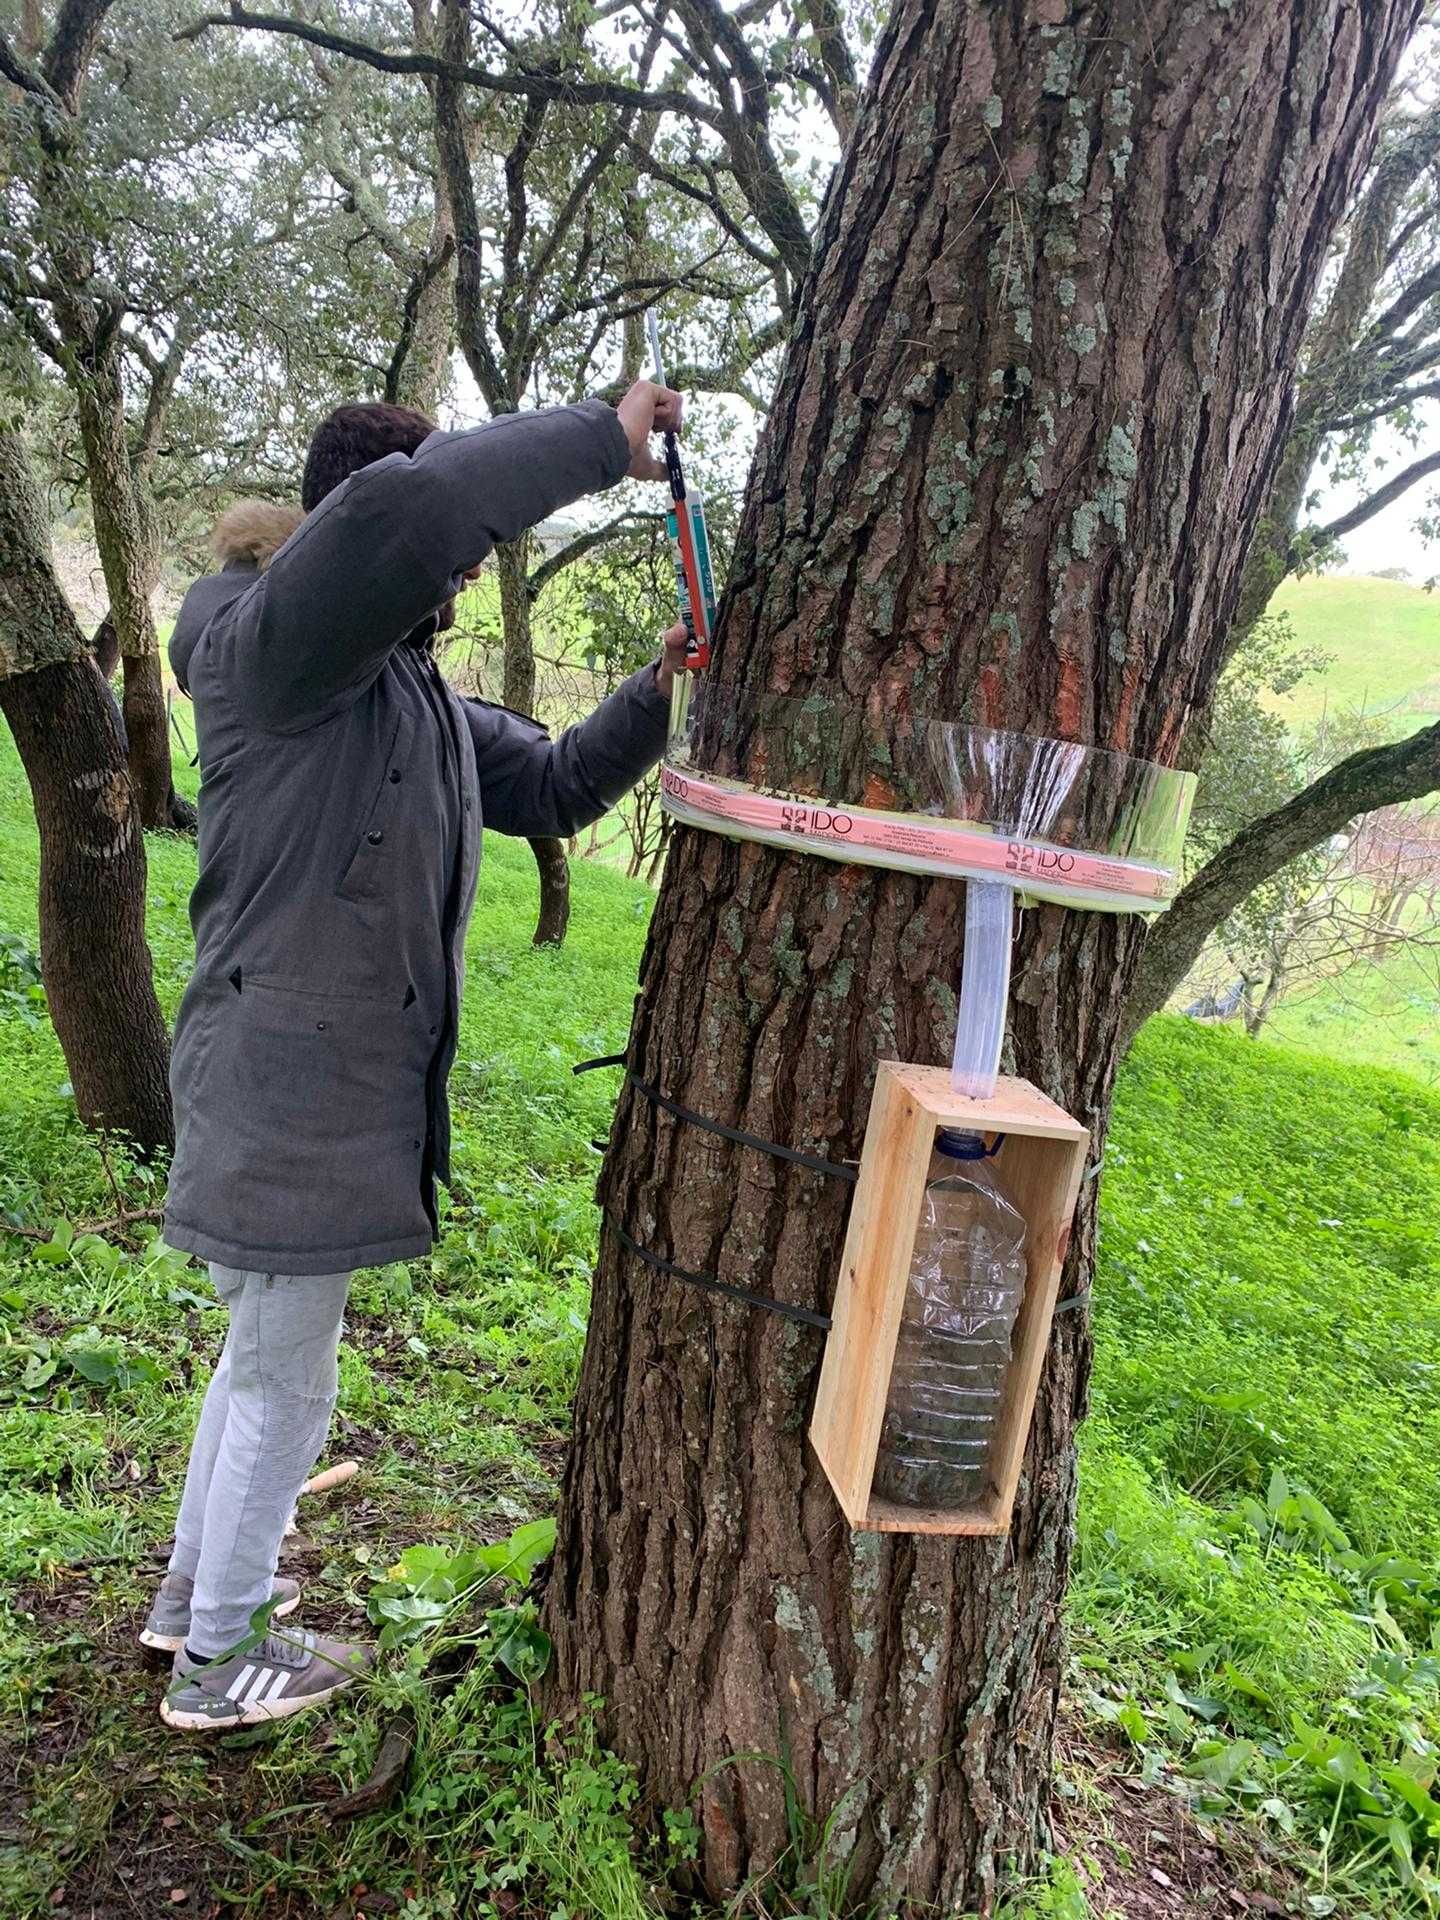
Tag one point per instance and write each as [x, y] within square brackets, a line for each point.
[1390, 539]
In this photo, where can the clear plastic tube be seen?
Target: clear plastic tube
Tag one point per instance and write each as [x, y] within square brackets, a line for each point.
[984, 987]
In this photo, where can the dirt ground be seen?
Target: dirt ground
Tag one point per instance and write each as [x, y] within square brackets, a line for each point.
[1146, 1857]
[171, 1840]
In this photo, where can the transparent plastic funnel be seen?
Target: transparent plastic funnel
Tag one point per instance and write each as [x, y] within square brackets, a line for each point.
[1009, 813]
[1056, 820]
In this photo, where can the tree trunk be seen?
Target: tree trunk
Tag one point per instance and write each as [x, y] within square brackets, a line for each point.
[105, 645]
[554, 867]
[129, 557]
[94, 959]
[1256, 1016]
[147, 735]
[424, 375]
[512, 564]
[1032, 407]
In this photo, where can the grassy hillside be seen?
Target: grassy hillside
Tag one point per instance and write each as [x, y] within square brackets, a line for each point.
[1385, 639]
[1384, 1014]
[1258, 1568]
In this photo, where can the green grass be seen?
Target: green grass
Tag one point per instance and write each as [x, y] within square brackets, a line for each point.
[1384, 1014]
[1256, 1591]
[1384, 636]
[1260, 1516]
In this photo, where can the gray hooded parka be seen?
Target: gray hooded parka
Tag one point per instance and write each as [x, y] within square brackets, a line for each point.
[343, 790]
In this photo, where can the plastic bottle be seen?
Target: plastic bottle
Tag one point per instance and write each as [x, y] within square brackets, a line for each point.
[966, 1281]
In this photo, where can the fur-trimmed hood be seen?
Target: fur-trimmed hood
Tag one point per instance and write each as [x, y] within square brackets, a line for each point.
[247, 536]
[253, 531]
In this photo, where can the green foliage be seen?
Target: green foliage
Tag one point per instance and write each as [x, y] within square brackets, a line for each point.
[1060, 1894]
[1250, 763]
[1259, 1559]
[21, 991]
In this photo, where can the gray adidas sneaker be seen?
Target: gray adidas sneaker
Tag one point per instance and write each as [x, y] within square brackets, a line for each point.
[285, 1674]
[168, 1621]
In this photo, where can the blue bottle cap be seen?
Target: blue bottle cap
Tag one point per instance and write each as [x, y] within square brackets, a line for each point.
[957, 1145]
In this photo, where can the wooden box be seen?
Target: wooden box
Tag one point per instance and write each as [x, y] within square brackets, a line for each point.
[1040, 1166]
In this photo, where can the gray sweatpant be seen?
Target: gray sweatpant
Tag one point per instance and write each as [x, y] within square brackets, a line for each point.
[266, 1413]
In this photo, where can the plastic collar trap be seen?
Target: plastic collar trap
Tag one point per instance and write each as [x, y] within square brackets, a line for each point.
[1019, 818]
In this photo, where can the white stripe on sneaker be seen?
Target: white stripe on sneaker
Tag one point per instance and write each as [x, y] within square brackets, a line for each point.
[282, 1680]
[238, 1684]
[263, 1679]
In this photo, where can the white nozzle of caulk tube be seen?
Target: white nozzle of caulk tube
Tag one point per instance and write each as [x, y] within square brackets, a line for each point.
[984, 987]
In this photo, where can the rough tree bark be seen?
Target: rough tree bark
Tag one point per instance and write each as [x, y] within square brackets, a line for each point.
[1031, 410]
[553, 921]
[419, 373]
[94, 960]
[87, 346]
[129, 558]
[512, 567]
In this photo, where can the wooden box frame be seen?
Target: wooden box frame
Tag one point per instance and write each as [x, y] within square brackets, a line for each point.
[1041, 1165]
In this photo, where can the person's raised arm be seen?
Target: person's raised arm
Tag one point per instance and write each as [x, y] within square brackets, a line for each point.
[531, 785]
[390, 545]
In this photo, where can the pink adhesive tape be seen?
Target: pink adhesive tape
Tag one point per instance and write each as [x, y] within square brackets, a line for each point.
[953, 848]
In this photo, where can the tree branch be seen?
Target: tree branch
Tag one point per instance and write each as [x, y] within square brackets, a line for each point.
[20, 296]
[429, 270]
[362, 193]
[1415, 296]
[657, 170]
[527, 83]
[163, 377]
[21, 74]
[1375, 777]
[1376, 503]
[841, 90]
[459, 186]
[582, 544]
[77, 28]
[1406, 397]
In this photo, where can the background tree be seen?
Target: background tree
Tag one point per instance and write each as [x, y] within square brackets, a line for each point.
[95, 963]
[1346, 901]
[126, 241]
[737, 92]
[1396, 853]
[1032, 409]
[565, 227]
[1368, 382]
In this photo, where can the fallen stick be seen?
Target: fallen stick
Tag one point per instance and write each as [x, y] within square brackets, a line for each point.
[335, 1476]
[387, 1774]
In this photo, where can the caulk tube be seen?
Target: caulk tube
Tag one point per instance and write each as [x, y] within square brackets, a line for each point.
[689, 542]
[694, 584]
[984, 987]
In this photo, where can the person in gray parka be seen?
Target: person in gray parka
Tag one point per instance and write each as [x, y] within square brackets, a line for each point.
[344, 786]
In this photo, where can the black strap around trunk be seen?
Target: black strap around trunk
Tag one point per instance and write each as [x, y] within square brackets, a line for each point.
[711, 1285]
[814, 1161]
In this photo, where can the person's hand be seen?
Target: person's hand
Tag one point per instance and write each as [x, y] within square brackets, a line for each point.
[648, 408]
[674, 641]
